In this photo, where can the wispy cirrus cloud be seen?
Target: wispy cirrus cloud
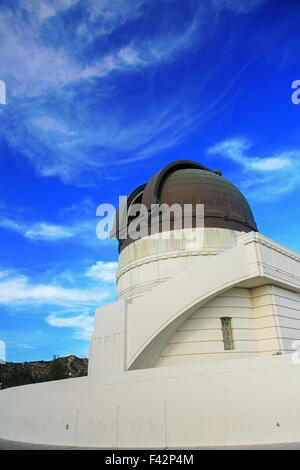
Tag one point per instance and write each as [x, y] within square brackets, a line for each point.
[12, 224]
[237, 5]
[49, 124]
[45, 9]
[62, 81]
[263, 178]
[35, 66]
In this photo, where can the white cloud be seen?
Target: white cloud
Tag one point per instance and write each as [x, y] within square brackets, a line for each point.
[239, 6]
[85, 206]
[18, 290]
[235, 150]
[82, 323]
[271, 164]
[45, 61]
[129, 56]
[82, 230]
[30, 66]
[11, 224]
[47, 232]
[113, 13]
[264, 178]
[103, 271]
[44, 9]
[47, 123]
[37, 231]
[141, 54]
[33, 67]
[24, 346]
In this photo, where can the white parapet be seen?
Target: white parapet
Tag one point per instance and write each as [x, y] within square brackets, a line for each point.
[234, 402]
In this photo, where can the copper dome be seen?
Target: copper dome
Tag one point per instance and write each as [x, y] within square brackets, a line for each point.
[188, 182]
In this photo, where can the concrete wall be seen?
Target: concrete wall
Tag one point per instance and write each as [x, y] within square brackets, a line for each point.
[265, 320]
[255, 262]
[277, 318]
[178, 322]
[287, 315]
[248, 400]
[155, 259]
[233, 402]
[108, 342]
[200, 337]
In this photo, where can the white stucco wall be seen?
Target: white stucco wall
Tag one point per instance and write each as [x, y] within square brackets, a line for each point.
[178, 322]
[233, 402]
[255, 262]
[130, 401]
[265, 320]
[200, 337]
[107, 345]
[153, 260]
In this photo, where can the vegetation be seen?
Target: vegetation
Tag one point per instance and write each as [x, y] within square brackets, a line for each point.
[57, 369]
[19, 377]
[15, 374]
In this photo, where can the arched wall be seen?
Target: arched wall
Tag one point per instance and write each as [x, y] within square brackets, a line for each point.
[200, 337]
[256, 261]
[264, 320]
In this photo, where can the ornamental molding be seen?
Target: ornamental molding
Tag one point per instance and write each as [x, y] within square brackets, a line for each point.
[265, 241]
[131, 292]
[280, 274]
[164, 256]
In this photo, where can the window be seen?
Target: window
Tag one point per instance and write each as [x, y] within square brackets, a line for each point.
[227, 333]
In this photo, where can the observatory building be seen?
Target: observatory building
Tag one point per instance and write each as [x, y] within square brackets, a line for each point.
[199, 350]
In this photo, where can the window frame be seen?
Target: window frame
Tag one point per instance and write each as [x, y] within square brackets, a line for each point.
[227, 333]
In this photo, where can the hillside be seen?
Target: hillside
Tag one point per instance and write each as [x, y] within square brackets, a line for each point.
[13, 374]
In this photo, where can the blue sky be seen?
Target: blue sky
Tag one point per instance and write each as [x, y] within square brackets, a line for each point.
[101, 94]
